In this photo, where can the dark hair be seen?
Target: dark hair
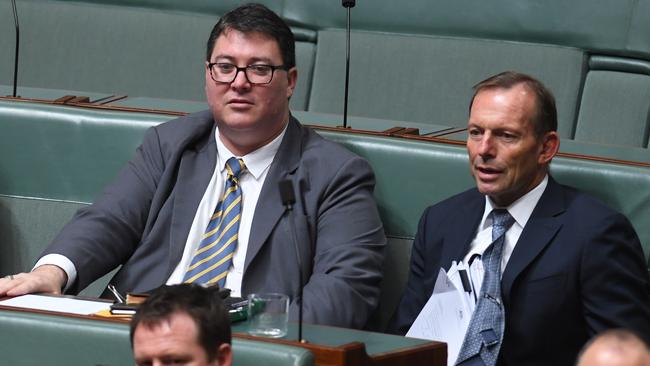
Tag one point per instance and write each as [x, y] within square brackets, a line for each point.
[545, 118]
[251, 18]
[203, 305]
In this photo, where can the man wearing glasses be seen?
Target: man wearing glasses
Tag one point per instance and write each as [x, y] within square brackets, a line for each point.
[200, 200]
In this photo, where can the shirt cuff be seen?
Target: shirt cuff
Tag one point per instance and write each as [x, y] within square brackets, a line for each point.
[62, 262]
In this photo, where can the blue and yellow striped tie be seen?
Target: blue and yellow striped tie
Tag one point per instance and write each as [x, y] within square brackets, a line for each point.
[213, 257]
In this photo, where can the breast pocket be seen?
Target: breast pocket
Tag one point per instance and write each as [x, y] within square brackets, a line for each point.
[547, 284]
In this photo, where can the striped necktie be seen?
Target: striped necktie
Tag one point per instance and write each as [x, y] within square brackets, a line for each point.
[213, 257]
[485, 331]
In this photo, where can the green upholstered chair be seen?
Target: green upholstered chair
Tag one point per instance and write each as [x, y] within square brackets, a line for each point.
[56, 158]
[615, 106]
[429, 79]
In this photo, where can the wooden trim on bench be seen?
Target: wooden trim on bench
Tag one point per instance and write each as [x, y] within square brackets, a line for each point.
[396, 132]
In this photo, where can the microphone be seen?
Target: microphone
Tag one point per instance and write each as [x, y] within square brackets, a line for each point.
[13, 3]
[288, 200]
[347, 4]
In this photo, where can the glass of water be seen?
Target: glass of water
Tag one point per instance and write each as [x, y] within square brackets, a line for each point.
[268, 314]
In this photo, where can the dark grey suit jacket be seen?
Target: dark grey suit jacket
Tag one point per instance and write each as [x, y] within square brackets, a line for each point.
[141, 221]
[577, 269]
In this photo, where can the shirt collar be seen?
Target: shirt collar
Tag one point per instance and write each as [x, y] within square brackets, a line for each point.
[256, 161]
[521, 209]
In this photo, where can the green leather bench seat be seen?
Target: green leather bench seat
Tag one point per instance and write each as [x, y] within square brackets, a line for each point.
[593, 105]
[145, 49]
[615, 106]
[412, 62]
[429, 79]
[32, 339]
[55, 158]
[615, 26]
[65, 153]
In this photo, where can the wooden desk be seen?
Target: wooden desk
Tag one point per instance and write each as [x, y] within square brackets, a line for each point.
[349, 347]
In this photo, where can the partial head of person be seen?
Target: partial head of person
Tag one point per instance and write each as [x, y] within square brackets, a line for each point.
[183, 324]
[249, 77]
[615, 347]
[512, 135]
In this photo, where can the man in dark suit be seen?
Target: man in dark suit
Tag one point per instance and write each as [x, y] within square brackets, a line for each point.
[152, 219]
[569, 266]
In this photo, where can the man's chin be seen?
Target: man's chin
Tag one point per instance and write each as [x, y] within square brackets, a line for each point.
[488, 189]
[237, 123]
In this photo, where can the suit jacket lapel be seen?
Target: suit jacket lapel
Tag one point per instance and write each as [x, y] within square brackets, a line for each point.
[460, 236]
[195, 169]
[269, 208]
[540, 229]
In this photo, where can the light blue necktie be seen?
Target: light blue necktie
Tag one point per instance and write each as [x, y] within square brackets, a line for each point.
[213, 257]
[485, 331]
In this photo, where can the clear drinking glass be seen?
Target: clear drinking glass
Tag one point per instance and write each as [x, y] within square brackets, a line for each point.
[268, 314]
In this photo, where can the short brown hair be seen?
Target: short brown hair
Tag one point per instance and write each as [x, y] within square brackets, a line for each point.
[257, 18]
[545, 119]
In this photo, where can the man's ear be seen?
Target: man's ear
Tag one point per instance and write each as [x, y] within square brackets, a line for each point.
[549, 148]
[292, 78]
[224, 355]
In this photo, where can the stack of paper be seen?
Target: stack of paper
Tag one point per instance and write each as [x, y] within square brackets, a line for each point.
[446, 316]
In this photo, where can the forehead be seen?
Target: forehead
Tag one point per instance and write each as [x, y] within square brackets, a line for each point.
[512, 105]
[177, 334]
[239, 45]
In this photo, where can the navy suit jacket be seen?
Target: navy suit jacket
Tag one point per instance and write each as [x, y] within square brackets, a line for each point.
[577, 269]
[142, 220]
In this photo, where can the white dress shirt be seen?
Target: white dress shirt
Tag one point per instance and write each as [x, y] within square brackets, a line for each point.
[520, 210]
[251, 182]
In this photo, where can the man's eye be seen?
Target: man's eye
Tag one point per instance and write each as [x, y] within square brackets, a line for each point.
[225, 68]
[508, 137]
[260, 69]
[474, 132]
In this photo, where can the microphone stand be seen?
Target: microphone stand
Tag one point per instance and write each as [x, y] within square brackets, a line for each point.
[349, 4]
[288, 199]
[13, 3]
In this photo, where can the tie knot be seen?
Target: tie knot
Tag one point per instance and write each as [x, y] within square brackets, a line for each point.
[501, 222]
[235, 166]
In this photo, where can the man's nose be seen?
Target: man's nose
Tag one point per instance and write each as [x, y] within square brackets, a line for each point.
[486, 148]
[241, 80]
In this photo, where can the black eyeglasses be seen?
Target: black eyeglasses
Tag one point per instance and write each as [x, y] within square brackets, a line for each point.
[223, 72]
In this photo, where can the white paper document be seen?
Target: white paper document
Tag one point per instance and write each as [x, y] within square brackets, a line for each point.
[56, 303]
[445, 317]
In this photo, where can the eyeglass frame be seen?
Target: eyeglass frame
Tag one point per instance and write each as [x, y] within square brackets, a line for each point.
[244, 69]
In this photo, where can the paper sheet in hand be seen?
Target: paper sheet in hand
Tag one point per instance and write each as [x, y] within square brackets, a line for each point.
[443, 318]
[56, 303]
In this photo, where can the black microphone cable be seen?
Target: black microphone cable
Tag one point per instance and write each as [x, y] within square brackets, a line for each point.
[13, 4]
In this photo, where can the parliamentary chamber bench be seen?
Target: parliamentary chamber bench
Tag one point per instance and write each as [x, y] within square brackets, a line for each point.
[55, 159]
[94, 75]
